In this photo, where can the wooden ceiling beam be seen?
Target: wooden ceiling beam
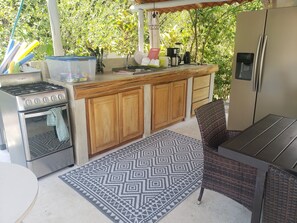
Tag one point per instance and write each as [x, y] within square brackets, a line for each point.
[171, 4]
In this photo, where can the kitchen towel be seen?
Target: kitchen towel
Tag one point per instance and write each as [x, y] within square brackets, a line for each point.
[55, 118]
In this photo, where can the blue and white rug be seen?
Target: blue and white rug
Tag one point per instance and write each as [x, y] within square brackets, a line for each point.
[143, 181]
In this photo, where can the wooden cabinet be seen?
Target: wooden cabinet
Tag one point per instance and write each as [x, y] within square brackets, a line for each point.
[160, 109]
[178, 100]
[168, 103]
[103, 122]
[130, 114]
[200, 96]
[114, 119]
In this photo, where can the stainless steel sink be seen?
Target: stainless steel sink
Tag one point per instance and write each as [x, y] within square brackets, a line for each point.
[136, 69]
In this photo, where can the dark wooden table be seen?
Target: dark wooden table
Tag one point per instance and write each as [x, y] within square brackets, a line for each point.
[272, 140]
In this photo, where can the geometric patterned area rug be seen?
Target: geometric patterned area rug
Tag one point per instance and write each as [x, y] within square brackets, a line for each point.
[144, 181]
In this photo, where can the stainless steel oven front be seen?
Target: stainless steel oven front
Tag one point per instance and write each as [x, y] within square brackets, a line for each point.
[45, 151]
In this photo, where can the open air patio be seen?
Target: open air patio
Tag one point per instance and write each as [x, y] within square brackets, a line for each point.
[54, 194]
[175, 134]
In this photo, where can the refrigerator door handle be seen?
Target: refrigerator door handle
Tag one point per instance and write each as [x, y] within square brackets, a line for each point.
[256, 64]
[261, 63]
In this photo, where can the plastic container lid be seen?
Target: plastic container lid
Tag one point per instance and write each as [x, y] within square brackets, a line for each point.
[72, 58]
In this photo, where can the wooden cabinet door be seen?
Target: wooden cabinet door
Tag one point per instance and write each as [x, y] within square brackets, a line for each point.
[178, 100]
[130, 114]
[201, 82]
[103, 122]
[161, 108]
[200, 95]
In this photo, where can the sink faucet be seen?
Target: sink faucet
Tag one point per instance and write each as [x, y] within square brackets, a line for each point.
[127, 61]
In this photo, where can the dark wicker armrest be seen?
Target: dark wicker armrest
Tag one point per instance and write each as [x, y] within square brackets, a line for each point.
[210, 149]
[232, 133]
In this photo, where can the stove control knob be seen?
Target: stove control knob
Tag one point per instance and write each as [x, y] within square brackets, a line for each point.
[28, 102]
[61, 97]
[37, 101]
[54, 98]
[45, 100]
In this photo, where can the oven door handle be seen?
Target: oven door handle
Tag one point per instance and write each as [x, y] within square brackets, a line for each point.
[33, 115]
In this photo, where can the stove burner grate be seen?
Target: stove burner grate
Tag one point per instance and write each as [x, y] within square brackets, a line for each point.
[31, 88]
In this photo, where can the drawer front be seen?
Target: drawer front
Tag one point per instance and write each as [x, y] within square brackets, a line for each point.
[198, 104]
[200, 94]
[201, 82]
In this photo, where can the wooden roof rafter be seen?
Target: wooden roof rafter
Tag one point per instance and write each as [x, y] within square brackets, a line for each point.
[166, 6]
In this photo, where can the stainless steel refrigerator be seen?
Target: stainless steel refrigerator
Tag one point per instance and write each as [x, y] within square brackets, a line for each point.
[264, 76]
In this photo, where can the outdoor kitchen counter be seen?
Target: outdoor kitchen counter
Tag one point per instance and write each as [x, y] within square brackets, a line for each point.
[111, 83]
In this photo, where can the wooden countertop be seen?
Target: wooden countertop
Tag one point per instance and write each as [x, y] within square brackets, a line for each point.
[110, 82]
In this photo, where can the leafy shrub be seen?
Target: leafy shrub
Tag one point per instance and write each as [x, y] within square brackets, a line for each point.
[207, 33]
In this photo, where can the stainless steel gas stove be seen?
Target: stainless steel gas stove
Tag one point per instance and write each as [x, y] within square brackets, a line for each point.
[35, 95]
[36, 123]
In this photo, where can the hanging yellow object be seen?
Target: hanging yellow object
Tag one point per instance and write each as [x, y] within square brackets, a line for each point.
[28, 49]
[11, 67]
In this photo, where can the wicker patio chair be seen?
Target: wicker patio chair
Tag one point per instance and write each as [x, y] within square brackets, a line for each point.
[280, 200]
[231, 178]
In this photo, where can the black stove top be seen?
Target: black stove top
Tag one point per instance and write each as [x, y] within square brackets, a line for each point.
[31, 88]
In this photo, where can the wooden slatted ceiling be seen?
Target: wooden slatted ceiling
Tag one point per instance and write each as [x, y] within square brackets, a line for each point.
[188, 7]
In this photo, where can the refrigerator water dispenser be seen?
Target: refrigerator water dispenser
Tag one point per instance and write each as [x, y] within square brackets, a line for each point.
[244, 66]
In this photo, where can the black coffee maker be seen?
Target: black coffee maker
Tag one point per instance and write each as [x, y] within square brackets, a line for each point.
[173, 53]
[187, 57]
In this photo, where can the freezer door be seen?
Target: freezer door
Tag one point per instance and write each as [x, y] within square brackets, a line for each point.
[278, 91]
[249, 30]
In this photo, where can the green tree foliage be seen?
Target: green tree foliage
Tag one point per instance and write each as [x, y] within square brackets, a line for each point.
[104, 23]
[216, 31]
[32, 25]
[207, 33]
[107, 24]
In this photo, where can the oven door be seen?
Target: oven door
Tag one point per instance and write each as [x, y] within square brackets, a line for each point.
[41, 139]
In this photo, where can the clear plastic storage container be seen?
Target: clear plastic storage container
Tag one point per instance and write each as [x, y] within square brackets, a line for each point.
[71, 68]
